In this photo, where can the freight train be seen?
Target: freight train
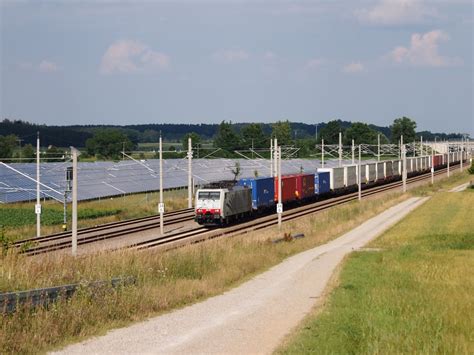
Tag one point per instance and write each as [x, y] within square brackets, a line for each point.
[253, 196]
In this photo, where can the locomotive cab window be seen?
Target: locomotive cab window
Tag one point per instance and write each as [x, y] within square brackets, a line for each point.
[209, 195]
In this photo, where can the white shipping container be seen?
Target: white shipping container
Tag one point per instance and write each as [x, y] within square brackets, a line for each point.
[379, 170]
[397, 167]
[370, 172]
[336, 177]
[350, 175]
[388, 169]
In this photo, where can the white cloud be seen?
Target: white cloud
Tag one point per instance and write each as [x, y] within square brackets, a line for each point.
[397, 12]
[269, 55]
[231, 55]
[127, 56]
[45, 66]
[423, 51]
[354, 67]
[314, 63]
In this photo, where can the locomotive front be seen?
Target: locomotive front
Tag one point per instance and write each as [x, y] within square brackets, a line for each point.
[209, 206]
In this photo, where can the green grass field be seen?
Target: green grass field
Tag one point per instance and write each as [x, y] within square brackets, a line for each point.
[413, 296]
[18, 220]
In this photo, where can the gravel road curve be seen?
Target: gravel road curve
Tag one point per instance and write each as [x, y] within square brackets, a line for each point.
[251, 318]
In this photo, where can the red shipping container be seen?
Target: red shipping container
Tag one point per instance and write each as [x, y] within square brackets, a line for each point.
[288, 188]
[304, 186]
[437, 160]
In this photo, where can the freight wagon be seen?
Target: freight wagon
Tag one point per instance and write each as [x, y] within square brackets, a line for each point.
[263, 191]
[370, 172]
[379, 171]
[304, 186]
[350, 175]
[321, 183]
[336, 177]
[288, 188]
[222, 206]
[387, 169]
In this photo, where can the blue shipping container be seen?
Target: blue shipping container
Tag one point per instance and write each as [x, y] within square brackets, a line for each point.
[321, 183]
[263, 191]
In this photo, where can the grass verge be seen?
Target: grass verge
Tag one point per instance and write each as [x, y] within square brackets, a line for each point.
[165, 280]
[413, 296]
[19, 219]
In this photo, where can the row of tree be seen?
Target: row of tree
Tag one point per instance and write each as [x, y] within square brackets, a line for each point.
[11, 148]
[108, 143]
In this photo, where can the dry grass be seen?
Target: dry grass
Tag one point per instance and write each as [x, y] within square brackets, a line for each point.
[165, 280]
[129, 206]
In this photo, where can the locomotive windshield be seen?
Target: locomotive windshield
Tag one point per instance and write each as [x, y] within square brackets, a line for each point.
[209, 195]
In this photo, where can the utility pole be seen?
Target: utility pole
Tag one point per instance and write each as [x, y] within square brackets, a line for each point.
[252, 149]
[74, 200]
[360, 175]
[280, 204]
[421, 145]
[404, 158]
[161, 205]
[378, 147]
[353, 152]
[340, 149]
[322, 153]
[275, 149]
[271, 156]
[316, 135]
[447, 144]
[38, 197]
[432, 166]
[190, 174]
[462, 148]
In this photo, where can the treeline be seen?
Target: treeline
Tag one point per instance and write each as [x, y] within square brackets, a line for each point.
[107, 142]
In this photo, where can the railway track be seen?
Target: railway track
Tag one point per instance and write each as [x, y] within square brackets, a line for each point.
[55, 242]
[58, 241]
[171, 241]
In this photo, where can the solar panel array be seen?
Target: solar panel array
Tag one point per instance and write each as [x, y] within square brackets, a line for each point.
[103, 179]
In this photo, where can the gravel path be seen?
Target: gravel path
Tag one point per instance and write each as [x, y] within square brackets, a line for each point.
[460, 188]
[251, 318]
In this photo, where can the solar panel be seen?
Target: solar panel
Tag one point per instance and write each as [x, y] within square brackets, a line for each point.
[103, 179]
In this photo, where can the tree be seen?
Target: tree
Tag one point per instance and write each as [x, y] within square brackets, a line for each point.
[282, 131]
[108, 143]
[361, 133]
[150, 136]
[28, 153]
[236, 170]
[253, 135]
[195, 139]
[54, 153]
[330, 132]
[7, 145]
[226, 137]
[403, 126]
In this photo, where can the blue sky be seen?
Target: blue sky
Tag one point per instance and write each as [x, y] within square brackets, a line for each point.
[124, 62]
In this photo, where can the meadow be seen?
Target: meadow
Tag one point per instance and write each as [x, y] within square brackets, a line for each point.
[414, 295]
[18, 220]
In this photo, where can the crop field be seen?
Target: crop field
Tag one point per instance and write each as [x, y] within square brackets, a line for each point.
[18, 220]
[412, 296]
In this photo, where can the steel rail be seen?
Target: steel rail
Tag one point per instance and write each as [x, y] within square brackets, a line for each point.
[105, 226]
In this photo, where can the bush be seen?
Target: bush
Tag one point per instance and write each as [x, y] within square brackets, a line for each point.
[471, 169]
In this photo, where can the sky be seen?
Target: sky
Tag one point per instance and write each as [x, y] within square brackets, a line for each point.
[132, 62]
